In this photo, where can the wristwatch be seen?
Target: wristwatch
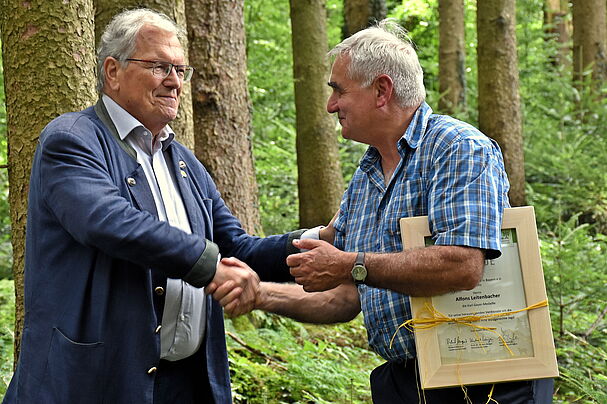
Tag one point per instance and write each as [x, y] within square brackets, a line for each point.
[359, 271]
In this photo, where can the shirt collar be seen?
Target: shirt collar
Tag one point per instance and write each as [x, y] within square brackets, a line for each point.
[416, 129]
[126, 123]
[412, 136]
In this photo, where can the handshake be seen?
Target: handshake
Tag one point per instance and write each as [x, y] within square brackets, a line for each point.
[238, 289]
[235, 286]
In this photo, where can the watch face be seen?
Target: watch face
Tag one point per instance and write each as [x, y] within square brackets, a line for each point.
[359, 272]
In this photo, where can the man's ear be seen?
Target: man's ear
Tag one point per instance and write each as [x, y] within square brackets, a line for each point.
[384, 88]
[111, 69]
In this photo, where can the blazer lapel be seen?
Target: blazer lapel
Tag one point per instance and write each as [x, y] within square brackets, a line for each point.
[102, 113]
[136, 181]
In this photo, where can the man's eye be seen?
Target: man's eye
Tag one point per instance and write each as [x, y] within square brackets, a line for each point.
[162, 68]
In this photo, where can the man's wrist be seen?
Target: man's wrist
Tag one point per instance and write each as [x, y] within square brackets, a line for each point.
[261, 297]
[348, 263]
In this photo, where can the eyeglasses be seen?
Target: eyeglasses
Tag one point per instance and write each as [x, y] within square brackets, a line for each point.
[163, 69]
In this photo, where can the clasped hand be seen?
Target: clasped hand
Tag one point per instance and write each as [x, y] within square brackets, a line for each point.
[321, 268]
[235, 286]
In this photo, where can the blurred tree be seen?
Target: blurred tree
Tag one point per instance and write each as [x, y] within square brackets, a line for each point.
[320, 180]
[452, 56]
[183, 125]
[499, 109]
[589, 40]
[222, 118]
[40, 86]
[556, 24]
[359, 14]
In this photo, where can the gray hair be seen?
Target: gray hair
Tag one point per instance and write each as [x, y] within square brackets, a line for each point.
[120, 36]
[385, 49]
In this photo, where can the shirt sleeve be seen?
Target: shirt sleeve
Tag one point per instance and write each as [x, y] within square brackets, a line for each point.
[468, 192]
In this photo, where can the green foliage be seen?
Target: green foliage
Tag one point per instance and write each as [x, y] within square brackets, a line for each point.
[270, 77]
[287, 362]
[565, 149]
[7, 321]
[565, 146]
[574, 259]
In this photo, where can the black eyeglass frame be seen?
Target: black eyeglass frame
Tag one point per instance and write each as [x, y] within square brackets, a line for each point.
[186, 71]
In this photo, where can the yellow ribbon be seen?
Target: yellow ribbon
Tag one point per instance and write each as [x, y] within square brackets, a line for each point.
[437, 318]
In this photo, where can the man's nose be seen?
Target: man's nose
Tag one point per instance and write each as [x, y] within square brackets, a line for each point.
[173, 80]
[332, 104]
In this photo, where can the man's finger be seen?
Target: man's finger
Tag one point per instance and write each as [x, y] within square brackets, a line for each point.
[234, 294]
[294, 260]
[210, 288]
[233, 261]
[231, 308]
[221, 291]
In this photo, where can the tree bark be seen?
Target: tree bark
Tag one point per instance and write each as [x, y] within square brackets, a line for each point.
[183, 125]
[320, 182]
[452, 56]
[49, 69]
[589, 40]
[221, 103]
[557, 27]
[359, 14]
[499, 111]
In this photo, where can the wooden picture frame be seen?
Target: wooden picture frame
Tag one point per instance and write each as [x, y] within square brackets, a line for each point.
[520, 346]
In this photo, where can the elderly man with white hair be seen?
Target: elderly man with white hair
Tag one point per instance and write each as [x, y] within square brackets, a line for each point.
[125, 229]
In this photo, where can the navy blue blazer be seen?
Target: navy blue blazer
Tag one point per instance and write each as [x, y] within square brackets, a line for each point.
[95, 252]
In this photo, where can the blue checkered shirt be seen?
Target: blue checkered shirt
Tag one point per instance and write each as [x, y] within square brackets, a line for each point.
[449, 171]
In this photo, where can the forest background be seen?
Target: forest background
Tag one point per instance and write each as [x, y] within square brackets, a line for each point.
[273, 359]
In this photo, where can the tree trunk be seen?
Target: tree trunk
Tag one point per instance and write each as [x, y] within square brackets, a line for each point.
[221, 103]
[452, 56]
[49, 69]
[183, 125]
[320, 181]
[557, 27]
[359, 14]
[589, 40]
[499, 112]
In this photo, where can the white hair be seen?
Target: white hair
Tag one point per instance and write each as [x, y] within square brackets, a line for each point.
[120, 36]
[385, 49]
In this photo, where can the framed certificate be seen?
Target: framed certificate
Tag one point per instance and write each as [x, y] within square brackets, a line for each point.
[499, 331]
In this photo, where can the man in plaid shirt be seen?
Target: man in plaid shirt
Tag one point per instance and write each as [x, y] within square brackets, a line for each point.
[418, 163]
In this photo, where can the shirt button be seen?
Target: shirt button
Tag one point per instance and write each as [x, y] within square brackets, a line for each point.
[131, 181]
[159, 290]
[158, 329]
[151, 370]
[181, 164]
